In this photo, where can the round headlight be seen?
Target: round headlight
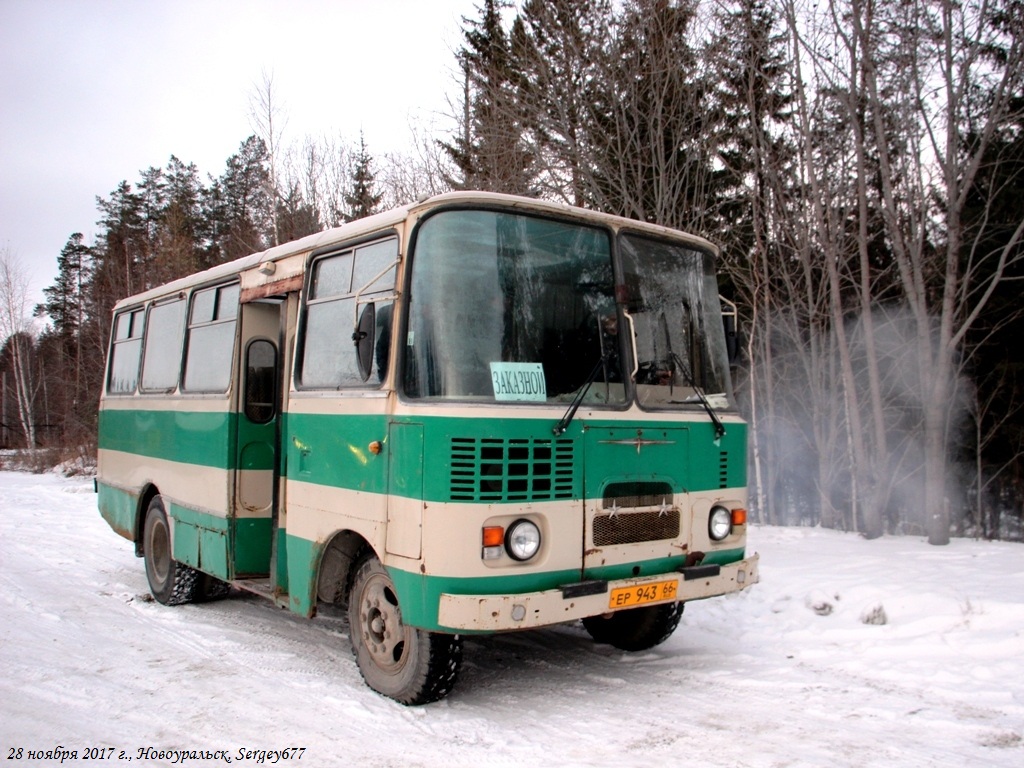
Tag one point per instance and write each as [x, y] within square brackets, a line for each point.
[522, 540]
[720, 523]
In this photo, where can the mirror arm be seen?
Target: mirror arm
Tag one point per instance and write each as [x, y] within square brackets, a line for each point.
[363, 288]
[632, 344]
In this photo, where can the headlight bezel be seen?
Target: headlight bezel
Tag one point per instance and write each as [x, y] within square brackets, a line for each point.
[719, 523]
[523, 540]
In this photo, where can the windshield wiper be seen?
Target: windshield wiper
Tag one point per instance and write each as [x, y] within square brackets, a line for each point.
[675, 360]
[577, 400]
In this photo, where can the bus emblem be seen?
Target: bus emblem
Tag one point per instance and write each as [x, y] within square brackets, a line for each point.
[638, 441]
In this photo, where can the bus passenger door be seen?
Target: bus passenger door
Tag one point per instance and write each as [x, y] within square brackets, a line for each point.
[259, 407]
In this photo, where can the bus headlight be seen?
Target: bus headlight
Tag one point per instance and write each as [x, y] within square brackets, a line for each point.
[522, 540]
[719, 523]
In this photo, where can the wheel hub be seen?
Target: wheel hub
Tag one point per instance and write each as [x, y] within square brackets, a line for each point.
[382, 630]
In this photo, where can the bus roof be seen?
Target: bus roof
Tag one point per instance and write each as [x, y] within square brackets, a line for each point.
[393, 217]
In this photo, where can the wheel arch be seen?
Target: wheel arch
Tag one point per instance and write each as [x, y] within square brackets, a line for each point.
[337, 563]
[148, 493]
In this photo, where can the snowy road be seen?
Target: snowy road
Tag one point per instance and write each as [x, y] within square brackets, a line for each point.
[785, 674]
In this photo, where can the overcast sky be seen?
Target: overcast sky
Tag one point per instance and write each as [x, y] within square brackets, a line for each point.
[94, 91]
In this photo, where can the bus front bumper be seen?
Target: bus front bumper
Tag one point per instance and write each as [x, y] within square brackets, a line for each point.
[495, 613]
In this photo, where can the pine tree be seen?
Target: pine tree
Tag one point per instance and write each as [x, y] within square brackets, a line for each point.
[652, 142]
[489, 151]
[122, 244]
[152, 196]
[752, 106]
[616, 101]
[561, 52]
[236, 205]
[362, 200]
[295, 217]
[183, 231]
[65, 299]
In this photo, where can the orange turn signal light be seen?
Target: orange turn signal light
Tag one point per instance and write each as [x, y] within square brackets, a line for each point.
[739, 517]
[493, 535]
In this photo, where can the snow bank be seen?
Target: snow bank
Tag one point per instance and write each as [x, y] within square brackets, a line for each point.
[848, 653]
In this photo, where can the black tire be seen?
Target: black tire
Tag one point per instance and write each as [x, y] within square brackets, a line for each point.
[171, 582]
[409, 665]
[209, 588]
[636, 629]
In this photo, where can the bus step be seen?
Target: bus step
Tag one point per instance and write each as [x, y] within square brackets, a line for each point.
[258, 586]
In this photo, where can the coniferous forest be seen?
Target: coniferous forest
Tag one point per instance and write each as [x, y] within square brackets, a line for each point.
[861, 165]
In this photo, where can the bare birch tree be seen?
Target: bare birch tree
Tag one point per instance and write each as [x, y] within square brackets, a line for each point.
[923, 91]
[15, 331]
[943, 58]
[268, 120]
[420, 171]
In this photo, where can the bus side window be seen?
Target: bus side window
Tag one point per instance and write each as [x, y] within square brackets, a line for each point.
[211, 339]
[125, 352]
[341, 289]
[261, 382]
[161, 352]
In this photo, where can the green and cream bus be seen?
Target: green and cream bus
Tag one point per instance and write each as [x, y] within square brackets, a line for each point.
[478, 413]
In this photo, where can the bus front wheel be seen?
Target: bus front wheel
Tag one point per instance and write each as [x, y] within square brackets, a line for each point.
[636, 629]
[409, 665]
[171, 582]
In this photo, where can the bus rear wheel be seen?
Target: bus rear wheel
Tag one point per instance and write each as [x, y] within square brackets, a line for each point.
[409, 665]
[636, 629]
[171, 582]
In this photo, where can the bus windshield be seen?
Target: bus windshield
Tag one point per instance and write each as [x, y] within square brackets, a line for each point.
[671, 296]
[509, 308]
[505, 307]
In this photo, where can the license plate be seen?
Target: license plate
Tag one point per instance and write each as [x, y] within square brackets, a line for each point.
[641, 594]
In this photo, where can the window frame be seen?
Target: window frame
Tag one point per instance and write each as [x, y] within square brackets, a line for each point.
[569, 220]
[152, 306]
[358, 296]
[131, 313]
[275, 394]
[217, 288]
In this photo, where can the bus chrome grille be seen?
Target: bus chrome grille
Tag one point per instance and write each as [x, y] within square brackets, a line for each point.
[515, 469]
[627, 522]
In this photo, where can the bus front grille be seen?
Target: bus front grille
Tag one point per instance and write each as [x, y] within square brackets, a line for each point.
[632, 512]
[512, 469]
[635, 527]
[630, 495]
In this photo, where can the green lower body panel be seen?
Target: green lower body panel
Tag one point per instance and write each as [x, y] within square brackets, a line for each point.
[118, 508]
[251, 538]
[228, 548]
[301, 563]
[225, 547]
[201, 540]
[723, 557]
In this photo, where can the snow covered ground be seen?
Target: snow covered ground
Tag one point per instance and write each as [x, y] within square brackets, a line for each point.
[786, 674]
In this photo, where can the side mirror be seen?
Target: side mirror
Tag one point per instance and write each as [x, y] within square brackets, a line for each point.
[364, 339]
